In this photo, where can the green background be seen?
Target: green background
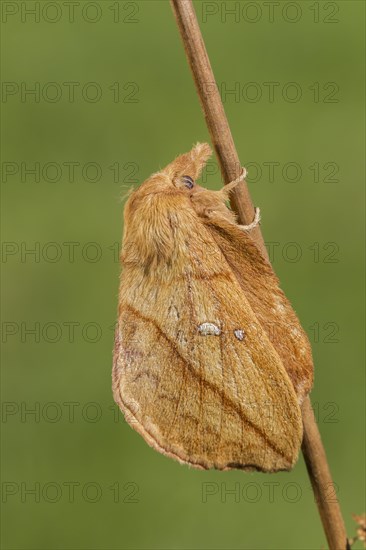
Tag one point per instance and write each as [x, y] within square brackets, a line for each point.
[314, 223]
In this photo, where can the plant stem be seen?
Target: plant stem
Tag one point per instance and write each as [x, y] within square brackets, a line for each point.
[312, 447]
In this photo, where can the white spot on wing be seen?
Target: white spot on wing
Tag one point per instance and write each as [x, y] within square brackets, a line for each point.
[208, 329]
[239, 333]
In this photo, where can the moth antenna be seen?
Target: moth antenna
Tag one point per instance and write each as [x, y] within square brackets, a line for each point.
[255, 222]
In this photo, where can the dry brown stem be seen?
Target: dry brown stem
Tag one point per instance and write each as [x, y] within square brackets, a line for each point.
[312, 447]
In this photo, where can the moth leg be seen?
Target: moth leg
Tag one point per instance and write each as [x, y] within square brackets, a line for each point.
[212, 204]
[230, 186]
[255, 222]
[257, 212]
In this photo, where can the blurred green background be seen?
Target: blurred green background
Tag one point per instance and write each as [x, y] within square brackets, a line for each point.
[114, 101]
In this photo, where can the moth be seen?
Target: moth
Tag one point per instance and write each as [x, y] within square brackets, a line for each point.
[211, 363]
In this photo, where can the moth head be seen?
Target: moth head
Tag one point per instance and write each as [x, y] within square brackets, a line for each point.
[180, 174]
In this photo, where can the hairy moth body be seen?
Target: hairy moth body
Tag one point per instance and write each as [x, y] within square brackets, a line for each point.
[210, 363]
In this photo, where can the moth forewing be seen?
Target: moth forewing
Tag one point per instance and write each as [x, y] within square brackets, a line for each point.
[270, 305]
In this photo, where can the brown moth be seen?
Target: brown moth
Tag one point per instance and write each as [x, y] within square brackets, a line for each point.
[210, 362]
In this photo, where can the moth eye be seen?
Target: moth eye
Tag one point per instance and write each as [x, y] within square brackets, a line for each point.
[188, 181]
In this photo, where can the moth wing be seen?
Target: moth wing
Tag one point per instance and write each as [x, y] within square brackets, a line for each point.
[268, 302]
[211, 400]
